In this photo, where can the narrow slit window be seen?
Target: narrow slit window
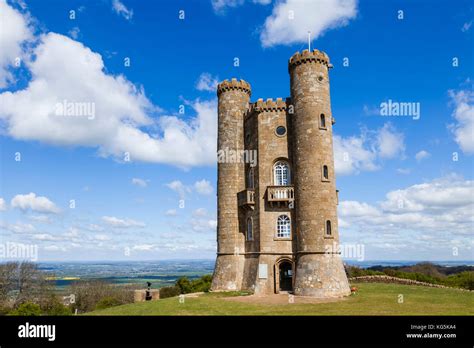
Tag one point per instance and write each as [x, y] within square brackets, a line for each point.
[328, 228]
[325, 172]
[322, 118]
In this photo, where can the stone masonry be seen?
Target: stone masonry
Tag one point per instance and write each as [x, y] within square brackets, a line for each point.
[277, 220]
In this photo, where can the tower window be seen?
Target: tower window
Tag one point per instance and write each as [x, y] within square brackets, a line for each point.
[251, 179]
[325, 173]
[322, 121]
[283, 226]
[249, 235]
[281, 173]
[328, 228]
[280, 131]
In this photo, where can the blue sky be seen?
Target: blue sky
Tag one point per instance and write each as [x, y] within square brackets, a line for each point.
[405, 183]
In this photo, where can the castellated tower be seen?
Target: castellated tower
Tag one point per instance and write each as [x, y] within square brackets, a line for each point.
[234, 97]
[319, 271]
[277, 216]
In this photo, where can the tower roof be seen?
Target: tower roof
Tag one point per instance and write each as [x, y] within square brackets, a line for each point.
[234, 84]
[308, 56]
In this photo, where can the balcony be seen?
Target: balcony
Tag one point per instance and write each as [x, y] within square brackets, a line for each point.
[280, 195]
[246, 199]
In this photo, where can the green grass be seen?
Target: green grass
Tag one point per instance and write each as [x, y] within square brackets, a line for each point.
[371, 299]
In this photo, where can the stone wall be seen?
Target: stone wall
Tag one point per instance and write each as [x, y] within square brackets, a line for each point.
[389, 279]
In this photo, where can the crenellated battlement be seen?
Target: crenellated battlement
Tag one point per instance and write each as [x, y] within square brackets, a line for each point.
[307, 56]
[269, 105]
[234, 84]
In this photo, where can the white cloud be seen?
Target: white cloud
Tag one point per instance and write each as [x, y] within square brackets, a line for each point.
[101, 237]
[171, 212]
[44, 219]
[203, 225]
[421, 155]
[404, 171]
[363, 153]
[15, 31]
[120, 9]
[54, 248]
[292, 19]
[357, 209]
[3, 204]
[463, 112]
[121, 223]
[121, 114]
[207, 82]
[220, 6]
[200, 212]
[139, 182]
[179, 187]
[35, 203]
[143, 247]
[443, 206]
[18, 227]
[203, 187]
[44, 237]
[390, 143]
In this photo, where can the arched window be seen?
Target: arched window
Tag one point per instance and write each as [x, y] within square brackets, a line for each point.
[328, 228]
[325, 172]
[283, 226]
[249, 229]
[322, 120]
[251, 179]
[281, 174]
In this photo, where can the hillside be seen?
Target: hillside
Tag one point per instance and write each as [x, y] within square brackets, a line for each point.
[371, 299]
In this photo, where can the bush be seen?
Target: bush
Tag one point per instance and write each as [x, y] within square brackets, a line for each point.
[107, 302]
[53, 306]
[463, 280]
[27, 309]
[184, 285]
[89, 293]
[169, 291]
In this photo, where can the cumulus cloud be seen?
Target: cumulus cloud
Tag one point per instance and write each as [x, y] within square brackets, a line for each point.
[123, 124]
[421, 155]
[463, 113]
[203, 187]
[14, 33]
[207, 82]
[35, 203]
[121, 223]
[364, 152]
[119, 8]
[291, 20]
[443, 205]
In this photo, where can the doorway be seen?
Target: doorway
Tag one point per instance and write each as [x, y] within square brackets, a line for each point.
[285, 270]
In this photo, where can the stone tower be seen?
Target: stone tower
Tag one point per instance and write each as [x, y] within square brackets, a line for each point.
[277, 216]
[234, 97]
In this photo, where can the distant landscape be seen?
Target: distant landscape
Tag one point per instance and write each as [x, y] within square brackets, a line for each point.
[166, 272]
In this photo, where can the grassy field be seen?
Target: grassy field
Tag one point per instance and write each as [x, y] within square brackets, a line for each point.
[371, 299]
